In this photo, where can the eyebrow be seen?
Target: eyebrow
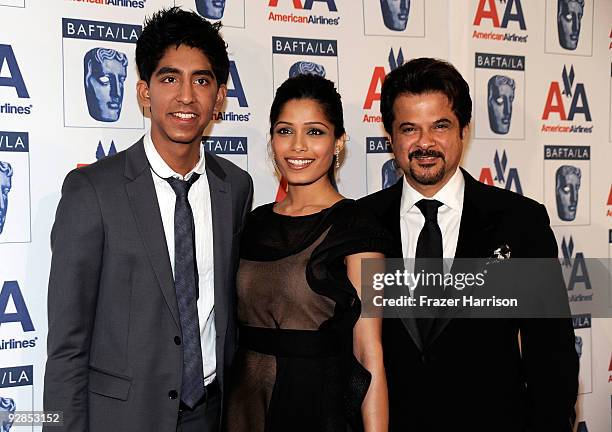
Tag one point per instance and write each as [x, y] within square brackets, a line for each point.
[442, 120]
[306, 123]
[171, 70]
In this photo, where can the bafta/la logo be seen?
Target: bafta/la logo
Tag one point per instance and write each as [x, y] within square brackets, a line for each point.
[513, 11]
[378, 77]
[505, 177]
[565, 100]
[307, 4]
[576, 264]
[13, 308]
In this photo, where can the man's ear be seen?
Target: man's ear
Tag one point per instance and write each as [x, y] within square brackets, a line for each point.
[221, 94]
[142, 90]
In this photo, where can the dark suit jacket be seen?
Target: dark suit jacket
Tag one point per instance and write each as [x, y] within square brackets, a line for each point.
[113, 315]
[473, 375]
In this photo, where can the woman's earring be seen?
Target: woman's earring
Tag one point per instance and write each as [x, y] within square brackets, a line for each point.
[337, 155]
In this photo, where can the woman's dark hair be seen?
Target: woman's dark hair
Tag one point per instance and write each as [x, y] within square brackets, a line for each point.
[318, 89]
[426, 75]
[175, 27]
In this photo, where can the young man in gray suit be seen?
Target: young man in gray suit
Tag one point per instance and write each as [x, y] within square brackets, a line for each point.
[145, 247]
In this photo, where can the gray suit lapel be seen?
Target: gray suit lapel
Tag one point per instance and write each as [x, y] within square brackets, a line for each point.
[222, 223]
[143, 200]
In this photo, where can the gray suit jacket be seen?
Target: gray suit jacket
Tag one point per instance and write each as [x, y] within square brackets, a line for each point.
[113, 316]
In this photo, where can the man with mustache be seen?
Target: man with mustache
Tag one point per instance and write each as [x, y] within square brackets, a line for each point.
[464, 374]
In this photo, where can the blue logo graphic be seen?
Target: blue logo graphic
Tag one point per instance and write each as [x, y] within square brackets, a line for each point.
[6, 175]
[211, 9]
[105, 71]
[395, 13]
[12, 77]
[306, 68]
[500, 95]
[487, 10]
[579, 272]
[567, 185]
[238, 90]
[10, 290]
[100, 150]
[578, 346]
[391, 173]
[569, 19]
[7, 406]
[582, 427]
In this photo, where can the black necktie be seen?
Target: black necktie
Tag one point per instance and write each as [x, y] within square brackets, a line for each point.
[428, 257]
[192, 388]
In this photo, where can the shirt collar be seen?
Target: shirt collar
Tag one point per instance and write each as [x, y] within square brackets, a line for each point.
[451, 195]
[162, 169]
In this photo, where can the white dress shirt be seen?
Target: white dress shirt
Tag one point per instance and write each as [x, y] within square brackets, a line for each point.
[449, 216]
[199, 199]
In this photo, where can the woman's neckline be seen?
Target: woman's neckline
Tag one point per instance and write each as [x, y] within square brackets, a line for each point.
[309, 214]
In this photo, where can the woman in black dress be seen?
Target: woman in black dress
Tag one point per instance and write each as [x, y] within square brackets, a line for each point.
[306, 360]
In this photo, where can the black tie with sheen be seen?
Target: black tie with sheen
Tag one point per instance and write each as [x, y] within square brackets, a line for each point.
[428, 258]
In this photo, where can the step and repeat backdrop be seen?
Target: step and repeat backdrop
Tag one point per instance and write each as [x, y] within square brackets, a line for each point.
[540, 74]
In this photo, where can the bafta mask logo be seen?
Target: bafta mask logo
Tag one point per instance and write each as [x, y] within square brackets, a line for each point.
[306, 68]
[567, 187]
[211, 9]
[395, 13]
[569, 17]
[7, 406]
[500, 95]
[391, 173]
[6, 175]
[105, 71]
[578, 344]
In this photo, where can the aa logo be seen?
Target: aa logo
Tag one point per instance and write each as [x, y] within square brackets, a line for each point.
[306, 4]
[378, 77]
[238, 90]
[567, 99]
[579, 273]
[512, 11]
[10, 74]
[13, 307]
[507, 178]
[101, 154]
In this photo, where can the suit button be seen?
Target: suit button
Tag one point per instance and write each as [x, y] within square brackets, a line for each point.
[177, 340]
[172, 394]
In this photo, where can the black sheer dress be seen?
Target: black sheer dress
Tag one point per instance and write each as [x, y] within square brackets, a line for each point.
[294, 369]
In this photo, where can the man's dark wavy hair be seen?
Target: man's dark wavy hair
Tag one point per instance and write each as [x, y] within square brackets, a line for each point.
[173, 27]
[426, 75]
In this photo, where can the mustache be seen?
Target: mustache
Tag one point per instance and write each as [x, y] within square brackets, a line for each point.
[425, 153]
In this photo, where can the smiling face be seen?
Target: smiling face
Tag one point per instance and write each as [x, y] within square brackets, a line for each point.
[569, 17]
[183, 95]
[426, 139]
[395, 13]
[211, 9]
[303, 142]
